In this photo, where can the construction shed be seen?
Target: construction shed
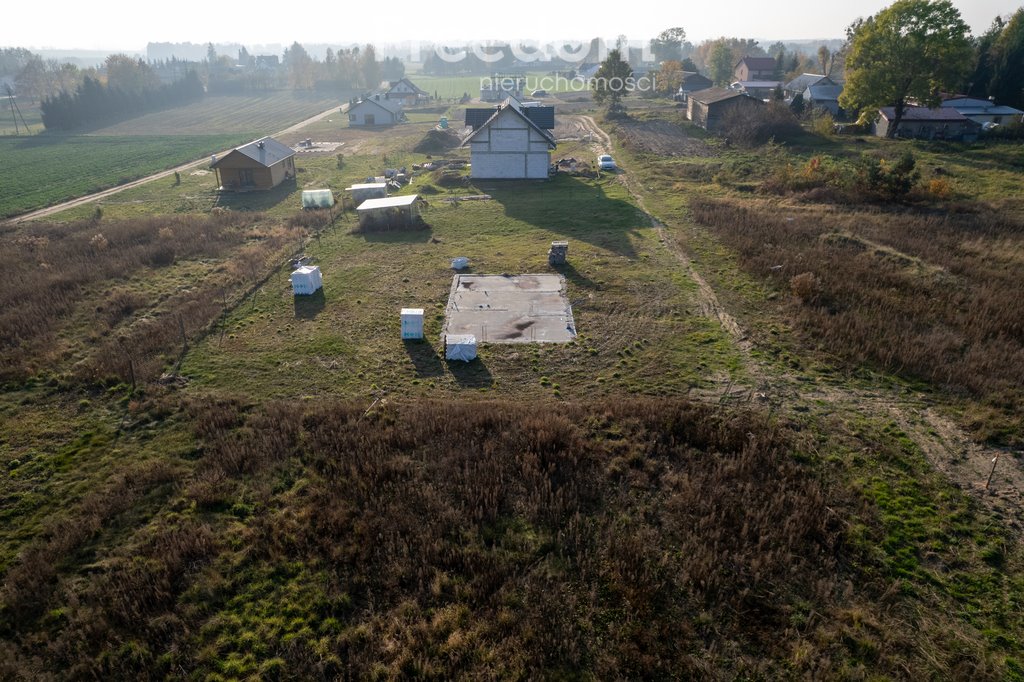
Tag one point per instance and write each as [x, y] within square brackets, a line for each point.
[390, 213]
[260, 165]
[367, 190]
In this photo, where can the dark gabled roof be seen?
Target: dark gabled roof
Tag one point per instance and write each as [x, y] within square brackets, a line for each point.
[476, 117]
[939, 115]
[542, 117]
[265, 151]
[806, 80]
[507, 105]
[714, 95]
[389, 105]
[393, 84]
[689, 76]
[825, 92]
[758, 63]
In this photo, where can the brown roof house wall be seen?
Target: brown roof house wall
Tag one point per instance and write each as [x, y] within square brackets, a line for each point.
[707, 108]
[262, 164]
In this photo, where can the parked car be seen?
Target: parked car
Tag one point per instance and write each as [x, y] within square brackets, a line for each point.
[606, 162]
[539, 93]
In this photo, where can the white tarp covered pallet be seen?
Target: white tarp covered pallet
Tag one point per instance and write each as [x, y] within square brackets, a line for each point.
[460, 347]
[306, 280]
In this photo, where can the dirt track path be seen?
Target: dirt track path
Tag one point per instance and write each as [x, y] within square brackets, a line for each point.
[946, 446]
[96, 196]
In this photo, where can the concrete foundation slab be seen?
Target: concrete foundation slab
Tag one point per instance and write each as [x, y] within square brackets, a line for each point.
[510, 309]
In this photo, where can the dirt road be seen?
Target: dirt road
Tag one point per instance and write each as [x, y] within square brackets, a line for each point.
[89, 198]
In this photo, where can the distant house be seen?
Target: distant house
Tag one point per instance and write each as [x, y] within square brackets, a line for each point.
[512, 143]
[824, 96]
[267, 61]
[375, 111]
[754, 69]
[942, 123]
[499, 87]
[692, 82]
[405, 91]
[707, 108]
[983, 111]
[758, 89]
[799, 85]
[259, 165]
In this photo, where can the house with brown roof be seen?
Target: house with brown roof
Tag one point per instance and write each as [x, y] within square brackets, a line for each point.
[260, 165]
[708, 108]
[941, 123]
[754, 69]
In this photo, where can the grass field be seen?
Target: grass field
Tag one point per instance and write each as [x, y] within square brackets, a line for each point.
[666, 497]
[46, 169]
[30, 113]
[262, 115]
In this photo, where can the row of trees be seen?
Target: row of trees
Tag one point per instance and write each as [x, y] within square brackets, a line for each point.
[92, 102]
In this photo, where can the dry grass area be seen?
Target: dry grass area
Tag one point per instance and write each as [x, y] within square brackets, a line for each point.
[626, 538]
[111, 300]
[933, 296]
[663, 138]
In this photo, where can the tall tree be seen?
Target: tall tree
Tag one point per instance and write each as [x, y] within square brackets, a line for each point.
[300, 67]
[1007, 84]
[369, 68]
[981, 78]
[610, 82]
[669, 44]
[824, 60]
[720, 63]
[130, 74]
[912, 49]
[670, 77]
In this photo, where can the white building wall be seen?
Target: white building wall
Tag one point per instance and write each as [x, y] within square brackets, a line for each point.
[509, 149]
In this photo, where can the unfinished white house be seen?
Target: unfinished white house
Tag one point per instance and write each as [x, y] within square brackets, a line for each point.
[510, 141]
[375, 111]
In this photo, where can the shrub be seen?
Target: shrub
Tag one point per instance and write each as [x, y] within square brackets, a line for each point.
[806, 286]
[940, 188]
[822, 123]
[755, 125]
[886, 179]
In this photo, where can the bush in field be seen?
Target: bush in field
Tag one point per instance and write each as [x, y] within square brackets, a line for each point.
[756, 125]
[822, 123]
[806, 286]
[886, 179]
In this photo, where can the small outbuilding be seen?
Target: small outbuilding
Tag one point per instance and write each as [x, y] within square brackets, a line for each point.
[306, 280]
[367, 190]
[260, 165]
[317, 198]
[708, 108]
[391, 213]
[941, 123]
[412, 323]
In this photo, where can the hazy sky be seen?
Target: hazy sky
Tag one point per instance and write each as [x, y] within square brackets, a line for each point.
[129, 25]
